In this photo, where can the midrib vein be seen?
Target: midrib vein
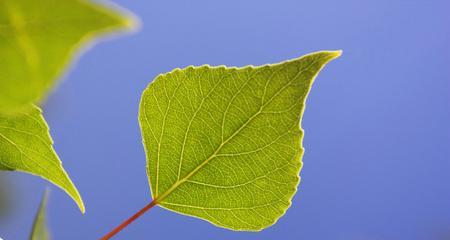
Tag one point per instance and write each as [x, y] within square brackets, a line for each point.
[160, 198]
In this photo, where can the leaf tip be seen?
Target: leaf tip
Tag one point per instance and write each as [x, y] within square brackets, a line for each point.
[72, 191]
[336, 53]
[40, 230]
[332, 54]
[125, 19]
[78, 200]
[82, 207]
[132, 23]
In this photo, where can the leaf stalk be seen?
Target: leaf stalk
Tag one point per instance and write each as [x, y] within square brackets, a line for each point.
[129, 220]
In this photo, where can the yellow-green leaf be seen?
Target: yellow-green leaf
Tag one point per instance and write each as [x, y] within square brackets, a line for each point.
[40, 229]
[225, 144]
[38, 39]
[26, 146]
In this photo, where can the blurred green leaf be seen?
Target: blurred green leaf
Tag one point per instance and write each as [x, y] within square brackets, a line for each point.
[6, 196]
[225, 144]
[26, 145]
[38, 39]
[40, 230]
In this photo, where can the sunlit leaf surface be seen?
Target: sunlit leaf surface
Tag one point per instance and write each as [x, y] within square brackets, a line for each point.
[225, 144]
[26, 146]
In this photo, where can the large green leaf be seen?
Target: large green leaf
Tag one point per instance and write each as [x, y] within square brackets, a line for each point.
[225, 144]
[39, 38]
[26, 145]
[40, 230]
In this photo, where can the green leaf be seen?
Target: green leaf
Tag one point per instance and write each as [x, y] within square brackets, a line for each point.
[40, 230]
[26, 145]
[6, 200]
[39, 38]
[225, 144]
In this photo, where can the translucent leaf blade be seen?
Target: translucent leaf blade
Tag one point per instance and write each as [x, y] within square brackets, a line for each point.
[225, 144]
[26, 146]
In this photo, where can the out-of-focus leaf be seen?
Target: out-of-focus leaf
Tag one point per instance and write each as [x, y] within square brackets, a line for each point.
[6, 196]
[38, 39]
[40, 229]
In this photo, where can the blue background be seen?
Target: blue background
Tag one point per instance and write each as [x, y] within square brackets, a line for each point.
[377, 161]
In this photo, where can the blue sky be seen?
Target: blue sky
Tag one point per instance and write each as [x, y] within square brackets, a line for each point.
[377, 130]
